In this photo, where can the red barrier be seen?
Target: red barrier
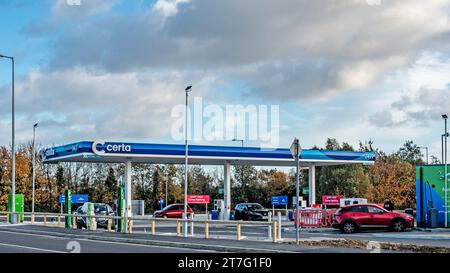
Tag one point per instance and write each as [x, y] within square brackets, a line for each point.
[315, 217]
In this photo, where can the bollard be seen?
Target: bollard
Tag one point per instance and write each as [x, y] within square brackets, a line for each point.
[274, 232]
[178, 228]
[153, 227]
[32, 218]
[279, 225]
[206, 230]
[269, 229]
[109, 224]
[74, 222]
[192, 228]
[7, 218]
[130, 226]
[59, 221]
[239, 231]
[45, 219]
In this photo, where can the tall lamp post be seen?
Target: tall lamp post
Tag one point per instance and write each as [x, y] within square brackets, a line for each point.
[187, 90]
[167, 179]
[426, 153]
[445, 117]
[442, 147]
[34, 166]
[13, 149]
[242, 172]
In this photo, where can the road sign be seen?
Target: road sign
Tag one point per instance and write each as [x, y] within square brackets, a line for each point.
[76, 198]
[198, 199]
[279, 200]
[296, 148]
[305, 190]
[331, 200]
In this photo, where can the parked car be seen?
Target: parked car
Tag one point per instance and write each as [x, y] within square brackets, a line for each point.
[99, 210]
[174, 211]
[354, 217]
[250, 212]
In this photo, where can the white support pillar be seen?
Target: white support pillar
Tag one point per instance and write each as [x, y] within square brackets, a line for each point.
[227, 190]
[128, 212]
[312, 184]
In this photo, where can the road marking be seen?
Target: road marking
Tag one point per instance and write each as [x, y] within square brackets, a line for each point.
[32, 248]
[100, 238]
[139, 245]
[37, 235]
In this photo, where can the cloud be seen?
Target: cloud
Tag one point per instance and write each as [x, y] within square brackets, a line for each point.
[271, 45]
[72, 9]
[80, 104]
[424, 94]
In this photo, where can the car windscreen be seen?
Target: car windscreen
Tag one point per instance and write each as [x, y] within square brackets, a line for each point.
[100, 208]
[254, 206]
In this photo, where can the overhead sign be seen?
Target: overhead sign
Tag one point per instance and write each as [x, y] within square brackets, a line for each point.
[198, 199]
[279, 200]
[331, 200]
[76, 198]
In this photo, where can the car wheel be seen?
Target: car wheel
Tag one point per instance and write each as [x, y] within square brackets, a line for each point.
[398, 225]
[348, 227]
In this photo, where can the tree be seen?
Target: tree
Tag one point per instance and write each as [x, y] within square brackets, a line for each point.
[60, 178]
[111, 186]
[411, 153]
[394, 179]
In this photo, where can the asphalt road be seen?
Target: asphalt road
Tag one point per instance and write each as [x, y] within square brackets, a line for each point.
[261, 233]
[12, 242]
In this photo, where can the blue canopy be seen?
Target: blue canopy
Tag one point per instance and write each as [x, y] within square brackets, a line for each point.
[117, 152]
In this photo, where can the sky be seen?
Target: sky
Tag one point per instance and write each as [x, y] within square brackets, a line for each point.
[354, 70]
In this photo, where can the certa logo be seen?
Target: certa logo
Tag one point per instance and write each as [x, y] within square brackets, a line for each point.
[125, 148]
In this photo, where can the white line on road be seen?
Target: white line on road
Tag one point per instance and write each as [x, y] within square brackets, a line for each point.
[36, 235]
[139, 245]
[32, 248]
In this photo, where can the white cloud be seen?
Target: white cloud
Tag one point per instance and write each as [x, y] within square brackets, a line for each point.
[81, 8]
[168, 7]
[79, 104]
[422, 95]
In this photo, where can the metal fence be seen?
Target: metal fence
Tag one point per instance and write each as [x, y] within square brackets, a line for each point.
[154, 224]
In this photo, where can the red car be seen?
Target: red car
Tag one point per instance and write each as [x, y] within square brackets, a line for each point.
[354, 217]
[173, 211]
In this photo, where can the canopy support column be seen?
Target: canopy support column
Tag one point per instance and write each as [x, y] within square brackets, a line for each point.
[127, 184]
[227, 190]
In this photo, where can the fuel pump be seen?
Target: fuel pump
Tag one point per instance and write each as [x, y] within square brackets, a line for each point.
[121, 209]
[68, 208]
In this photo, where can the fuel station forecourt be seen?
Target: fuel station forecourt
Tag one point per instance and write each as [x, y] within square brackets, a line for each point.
[151, 153]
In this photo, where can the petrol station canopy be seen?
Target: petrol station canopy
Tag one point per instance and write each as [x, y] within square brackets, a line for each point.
[120, 152]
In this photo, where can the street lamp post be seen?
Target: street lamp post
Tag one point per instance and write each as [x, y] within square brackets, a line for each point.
[445, 117]
[242, 172]
[426, 153]
[166, 178]
[442, 146]
[34, 166]
[13, 149]
[296, 150]
[187, 90]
